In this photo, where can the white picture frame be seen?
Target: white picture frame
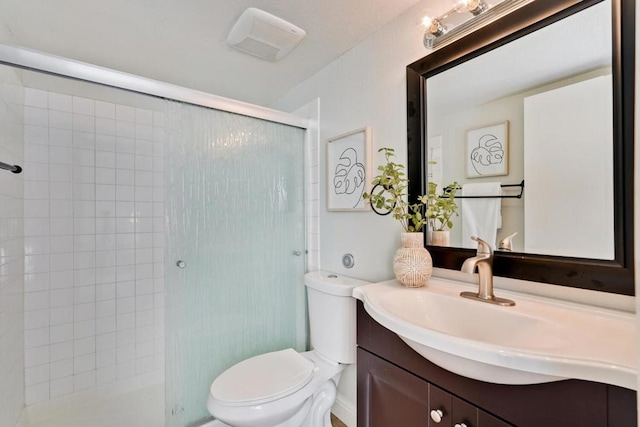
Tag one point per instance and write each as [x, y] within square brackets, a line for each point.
[349, 170]
[487, 151]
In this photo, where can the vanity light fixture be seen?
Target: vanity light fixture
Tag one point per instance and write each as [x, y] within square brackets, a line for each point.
[463, 18]
[476, 7]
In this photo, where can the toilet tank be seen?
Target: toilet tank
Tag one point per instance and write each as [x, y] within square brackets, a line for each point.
[332, 315]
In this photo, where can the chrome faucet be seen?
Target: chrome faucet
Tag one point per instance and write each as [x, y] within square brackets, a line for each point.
[483, 262]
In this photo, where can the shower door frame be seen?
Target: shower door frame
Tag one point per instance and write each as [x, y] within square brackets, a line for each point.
[37, 61]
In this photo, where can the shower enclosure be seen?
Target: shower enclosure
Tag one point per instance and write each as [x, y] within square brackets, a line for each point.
[154, 238]
[235, 212]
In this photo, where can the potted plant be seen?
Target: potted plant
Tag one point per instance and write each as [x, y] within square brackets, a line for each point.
[391, 195]
[440, 209]
[412, 263]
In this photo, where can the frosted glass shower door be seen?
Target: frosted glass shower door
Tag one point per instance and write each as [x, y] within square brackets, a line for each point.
[235, 201]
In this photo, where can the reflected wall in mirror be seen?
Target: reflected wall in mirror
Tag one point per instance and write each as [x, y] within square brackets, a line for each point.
[560, 76]
[560, 139]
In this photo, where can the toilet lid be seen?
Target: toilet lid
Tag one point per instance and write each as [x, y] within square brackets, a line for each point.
[270, 375]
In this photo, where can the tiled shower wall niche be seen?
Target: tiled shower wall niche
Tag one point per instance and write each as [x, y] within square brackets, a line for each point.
[94, 243]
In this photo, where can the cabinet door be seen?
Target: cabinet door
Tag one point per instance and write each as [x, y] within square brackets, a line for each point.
[487, 420]
[440, 403]
[464, 413]
[390, 396]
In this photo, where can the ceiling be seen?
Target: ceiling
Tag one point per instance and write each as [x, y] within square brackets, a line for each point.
[183, 41]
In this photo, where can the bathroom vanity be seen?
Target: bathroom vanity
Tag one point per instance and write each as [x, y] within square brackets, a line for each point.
[428, 357]
[398, 387]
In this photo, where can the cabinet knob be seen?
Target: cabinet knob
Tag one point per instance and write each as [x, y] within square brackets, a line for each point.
[460, 425]
[436, 415]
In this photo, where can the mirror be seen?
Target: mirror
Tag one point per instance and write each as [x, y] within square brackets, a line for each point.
[539, 99]
[518, 119]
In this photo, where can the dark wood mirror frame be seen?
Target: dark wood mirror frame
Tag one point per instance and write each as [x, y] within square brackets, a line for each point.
[615, 276]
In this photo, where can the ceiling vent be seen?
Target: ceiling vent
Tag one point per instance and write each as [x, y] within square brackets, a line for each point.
[261, 34]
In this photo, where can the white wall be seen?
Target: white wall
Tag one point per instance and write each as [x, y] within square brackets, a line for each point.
[94, 239]
[364, 87]
[11, 250]
[367, 87]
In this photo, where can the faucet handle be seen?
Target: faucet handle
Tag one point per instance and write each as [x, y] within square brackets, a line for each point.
[484, 248]
[506, 244]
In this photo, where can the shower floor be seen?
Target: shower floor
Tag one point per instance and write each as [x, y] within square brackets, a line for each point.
[140, 408]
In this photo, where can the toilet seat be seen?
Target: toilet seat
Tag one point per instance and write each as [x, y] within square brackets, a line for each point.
[263, 378]
[286, 409]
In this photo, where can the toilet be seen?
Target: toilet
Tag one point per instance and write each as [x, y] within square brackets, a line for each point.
[290, 389]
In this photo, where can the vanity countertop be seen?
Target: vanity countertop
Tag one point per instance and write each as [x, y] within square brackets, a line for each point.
[538, 340]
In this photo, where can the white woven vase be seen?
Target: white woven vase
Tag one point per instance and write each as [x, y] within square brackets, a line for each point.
[440, 238]
[412, 263]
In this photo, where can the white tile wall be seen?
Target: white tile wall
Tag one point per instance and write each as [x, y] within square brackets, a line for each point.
[94, 239]
[312, 182]
[311, 112]
[12, 251]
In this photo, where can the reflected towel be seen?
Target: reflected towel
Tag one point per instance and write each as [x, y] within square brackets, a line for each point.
[481, 217]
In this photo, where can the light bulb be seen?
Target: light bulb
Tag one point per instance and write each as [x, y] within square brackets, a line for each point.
[423, 23]
[461, 5]
[436, 28]
[476, 7]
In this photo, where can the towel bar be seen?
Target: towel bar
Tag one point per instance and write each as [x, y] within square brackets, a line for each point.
[511, 196]
[12, 168]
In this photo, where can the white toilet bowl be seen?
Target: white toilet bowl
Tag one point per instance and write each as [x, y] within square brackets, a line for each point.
[290, 389]
[302, 394]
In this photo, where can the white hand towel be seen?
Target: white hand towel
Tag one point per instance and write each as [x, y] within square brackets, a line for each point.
[481, 217]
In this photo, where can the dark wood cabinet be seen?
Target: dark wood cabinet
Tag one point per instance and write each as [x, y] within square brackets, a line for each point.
[398, 387]
[464, 413]
[487, 420]
[399, 398]
[440, 409]
[396, 397]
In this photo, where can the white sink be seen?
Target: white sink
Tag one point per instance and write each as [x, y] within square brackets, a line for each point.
[536, 341]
